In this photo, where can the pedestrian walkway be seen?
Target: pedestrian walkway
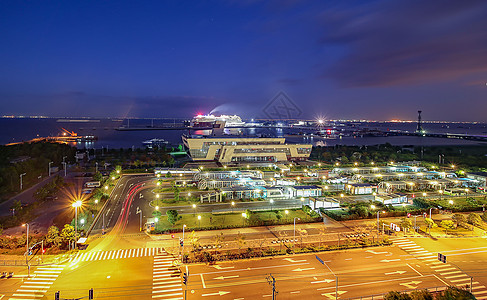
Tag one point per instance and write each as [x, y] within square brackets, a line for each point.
[36, 286]
[166, 284]
[115, 254]
[449, 272]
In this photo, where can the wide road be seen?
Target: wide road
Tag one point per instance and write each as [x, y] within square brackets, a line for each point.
[360, 273]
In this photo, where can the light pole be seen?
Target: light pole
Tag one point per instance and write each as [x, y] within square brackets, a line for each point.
[27, 249]
[199, 221]
[441, 193]
[139, 212]
[294, 229]
[21, 180]
[96, 167]
[76, 204]
[244, 216]
[233, 204]
[430, 212]
[194, 208]
[182, 247]
[65, 164]
[466, 193]
[271, 201]
[50, 168]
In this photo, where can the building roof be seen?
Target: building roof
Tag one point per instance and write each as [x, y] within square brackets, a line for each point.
[305, 187]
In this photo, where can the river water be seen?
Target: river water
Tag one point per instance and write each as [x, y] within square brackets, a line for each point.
[22, 129]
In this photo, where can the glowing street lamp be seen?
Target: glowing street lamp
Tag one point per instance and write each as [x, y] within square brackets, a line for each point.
[244, 216]
[451, 202]
[233, 204]
[424, 194]
[27, 249]
[157, 207]
[106, 187]
[199, 221]
[194, 208]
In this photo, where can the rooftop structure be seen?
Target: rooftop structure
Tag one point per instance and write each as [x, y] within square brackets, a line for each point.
[244, 149]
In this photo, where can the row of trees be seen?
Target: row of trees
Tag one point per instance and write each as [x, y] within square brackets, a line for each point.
[34, 163]
[449, 293]
[471, 156]
[56, 238]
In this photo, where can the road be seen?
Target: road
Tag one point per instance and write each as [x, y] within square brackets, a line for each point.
[359, 273]
[127, 264]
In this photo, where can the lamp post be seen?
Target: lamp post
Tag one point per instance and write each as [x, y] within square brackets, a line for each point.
[441, 193]
[96, 167]
[430, 212]
[244, 216]
[21, 180]
[194, 209]
[199, 221]
[139, 211]
[182, 247]
[466, 193]
[64, 166]
[76, 204]
[271, 201]
[294, 229]
[50, 168]
[27, 249]
[233, 204]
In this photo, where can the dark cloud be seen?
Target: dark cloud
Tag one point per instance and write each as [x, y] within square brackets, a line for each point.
[409, 42]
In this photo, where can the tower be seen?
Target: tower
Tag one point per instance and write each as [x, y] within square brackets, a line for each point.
[419, 128]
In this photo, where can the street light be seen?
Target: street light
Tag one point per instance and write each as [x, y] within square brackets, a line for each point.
[271, 201]
[244, 216]
[233, 204]
[194, 208]
[27, 251]
[466, 193]
[76, 204]
[294, 240]
[50, 168]
[157, 207]
[441, 193]
[21, 180]
[451, 202]
[182, 247]
[424, 194]
[199, 221]
[106, 187]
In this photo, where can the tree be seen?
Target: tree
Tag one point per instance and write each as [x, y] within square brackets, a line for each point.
[474, 219]
[240, 240]
[421, 295]
[52, 237]
[278, 214]
[447, 224]
[218, 239]
[194, 240]
[396, 296]
[67, 234]
[406, 223]
[172, 216]
[430, 223]
[455, 293]
[460, 219]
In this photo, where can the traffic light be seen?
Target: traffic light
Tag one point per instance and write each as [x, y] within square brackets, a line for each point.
[90, 294]
[181, 242]
[185, 278]
[442, 258]
[56, 295]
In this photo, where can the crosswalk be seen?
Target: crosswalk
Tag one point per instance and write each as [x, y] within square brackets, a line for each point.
[115, 254]
[36, 286]
[166, 283]
[451, 273]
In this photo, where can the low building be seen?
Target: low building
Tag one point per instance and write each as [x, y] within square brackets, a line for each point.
[393, 199]
[304, 191]
[325, 202]
[244, 149]
[361, 188]
[481, 177]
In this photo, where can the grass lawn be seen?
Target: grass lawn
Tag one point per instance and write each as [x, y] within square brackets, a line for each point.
[461, 202]
[231, 219]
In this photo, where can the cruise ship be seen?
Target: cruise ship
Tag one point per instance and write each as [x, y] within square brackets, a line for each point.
[210, 120]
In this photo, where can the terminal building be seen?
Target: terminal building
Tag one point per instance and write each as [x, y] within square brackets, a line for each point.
[245, 149]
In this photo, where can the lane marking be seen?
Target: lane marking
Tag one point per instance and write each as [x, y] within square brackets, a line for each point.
[415, 270]
[203, 281]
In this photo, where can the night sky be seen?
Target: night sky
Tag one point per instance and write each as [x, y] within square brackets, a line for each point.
[335, 59]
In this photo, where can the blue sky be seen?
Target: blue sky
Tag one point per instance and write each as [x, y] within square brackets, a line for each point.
[335, 59]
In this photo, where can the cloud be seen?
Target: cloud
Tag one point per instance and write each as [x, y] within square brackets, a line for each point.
[397, 43]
